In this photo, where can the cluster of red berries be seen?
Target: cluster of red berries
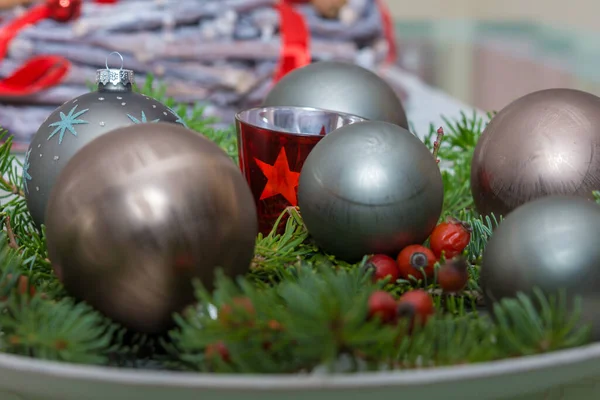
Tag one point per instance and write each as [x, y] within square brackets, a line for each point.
[449, 239]
[416, 306]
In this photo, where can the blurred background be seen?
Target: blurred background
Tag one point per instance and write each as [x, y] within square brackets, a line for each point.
[451, 55]
[488, 52]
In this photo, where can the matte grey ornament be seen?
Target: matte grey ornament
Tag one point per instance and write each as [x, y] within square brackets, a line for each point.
[139, 212]
[370, 187]
[544, 143]
[79, 121]
[341, 87]
[550, 243]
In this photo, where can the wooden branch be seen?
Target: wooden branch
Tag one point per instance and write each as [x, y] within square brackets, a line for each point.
[6, 4]
[12, 242]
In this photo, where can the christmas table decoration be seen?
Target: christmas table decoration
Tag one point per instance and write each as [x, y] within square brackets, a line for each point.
[541, 144]
[370, 187]
[273, 143]
[79, 121]
[550, 244]
[301, 322]
[342, 87]
[140, 212]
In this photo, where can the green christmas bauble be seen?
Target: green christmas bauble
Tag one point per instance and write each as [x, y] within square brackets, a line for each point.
[552, 244]
[370, 187]
[79, 121]
[341, 87]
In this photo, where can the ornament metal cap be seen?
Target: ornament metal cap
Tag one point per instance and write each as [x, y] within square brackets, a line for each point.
[114, 80]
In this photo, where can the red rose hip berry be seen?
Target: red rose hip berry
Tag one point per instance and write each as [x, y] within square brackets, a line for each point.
[383, 306]
[414, 260]
[239, 310]
[215, 350]
[453, 275]
[382, 266]
[417, 305]
[450, 237]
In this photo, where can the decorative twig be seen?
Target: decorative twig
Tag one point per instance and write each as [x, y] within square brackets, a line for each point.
[438, 143]
[6, 4]
[14, 189]
[12, 242]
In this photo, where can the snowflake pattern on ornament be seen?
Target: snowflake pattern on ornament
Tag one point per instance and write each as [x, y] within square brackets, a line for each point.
[26, 176]
[67, 123]
[143, 120]
[179, 119]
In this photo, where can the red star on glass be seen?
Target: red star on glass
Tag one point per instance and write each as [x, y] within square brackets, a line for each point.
[273, 143]
[280, 180]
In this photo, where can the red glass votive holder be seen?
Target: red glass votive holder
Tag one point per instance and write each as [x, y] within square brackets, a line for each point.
[273, 143]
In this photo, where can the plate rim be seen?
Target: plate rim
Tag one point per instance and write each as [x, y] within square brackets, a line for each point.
[305, 382]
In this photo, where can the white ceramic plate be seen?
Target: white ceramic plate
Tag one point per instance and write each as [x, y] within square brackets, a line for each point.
[569, 375]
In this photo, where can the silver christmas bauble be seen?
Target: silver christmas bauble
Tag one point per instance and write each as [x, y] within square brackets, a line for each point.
[370, 187]
[550, 243]
[545, 143]
[341, 87]
[79, 121]
[141, 211]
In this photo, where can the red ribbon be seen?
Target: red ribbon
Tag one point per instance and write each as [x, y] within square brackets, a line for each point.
[295, 41]
[41, 72]
[389, 32]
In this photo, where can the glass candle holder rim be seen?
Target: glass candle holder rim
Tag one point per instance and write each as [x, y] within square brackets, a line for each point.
[240, 119]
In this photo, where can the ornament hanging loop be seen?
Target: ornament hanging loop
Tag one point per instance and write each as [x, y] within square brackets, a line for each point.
[114, 80]
[120, 56]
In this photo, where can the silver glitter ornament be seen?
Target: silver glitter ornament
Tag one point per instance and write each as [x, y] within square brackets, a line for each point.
[79, 121]
[370, 187]
[141, 211]
[341, 87]
[550, 243]
[545, 143]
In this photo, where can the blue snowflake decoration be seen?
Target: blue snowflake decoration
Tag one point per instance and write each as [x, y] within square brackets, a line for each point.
[67, 123]
[26, 176]
[179, 119]
[143, 119]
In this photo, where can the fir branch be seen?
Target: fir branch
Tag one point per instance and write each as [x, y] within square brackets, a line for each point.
[319, 320]
[460, 139]
[538, 324]
[12, 188]
[12, 243]
[59, 331]
[35, 326]
[275, 253]
[293, 327]
[22, 235]
[482, 229]
[10, 180]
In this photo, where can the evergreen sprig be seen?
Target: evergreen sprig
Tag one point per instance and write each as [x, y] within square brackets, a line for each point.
[298, 309]
[456, 151]
[319, 320]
